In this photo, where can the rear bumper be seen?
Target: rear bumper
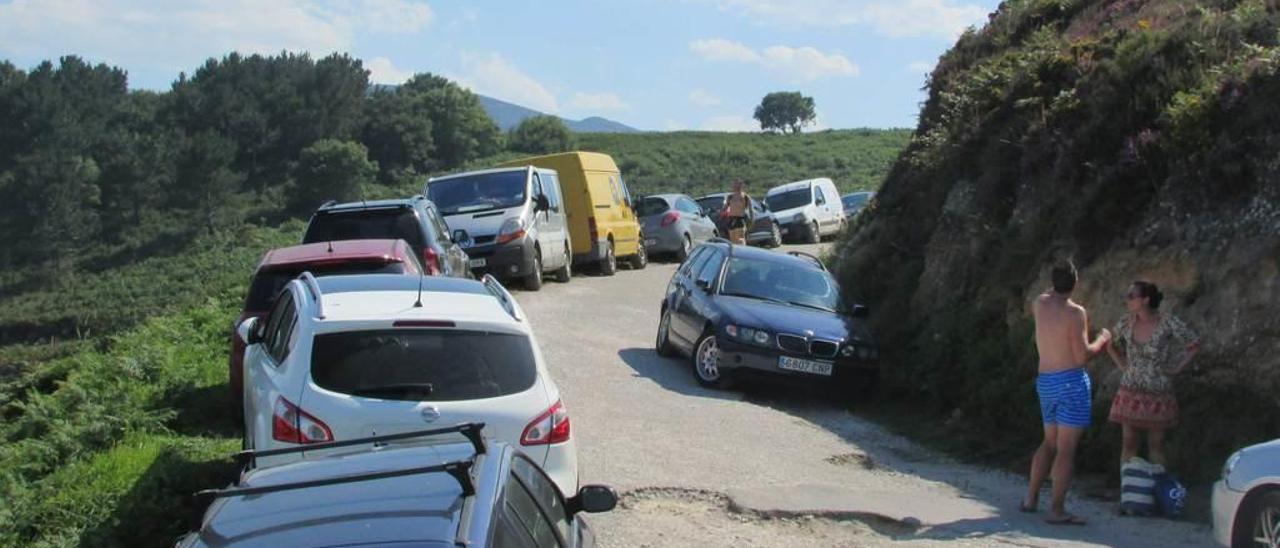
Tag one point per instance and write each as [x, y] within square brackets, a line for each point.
[561, 465]
[509, 260]
[663, 240]
[1226, 502]
[796, 229]
[596, 253]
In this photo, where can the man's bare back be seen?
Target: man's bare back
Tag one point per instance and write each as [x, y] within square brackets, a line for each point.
[1062, 331]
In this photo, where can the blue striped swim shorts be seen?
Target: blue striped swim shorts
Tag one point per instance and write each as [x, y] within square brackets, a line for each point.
[1065, 397]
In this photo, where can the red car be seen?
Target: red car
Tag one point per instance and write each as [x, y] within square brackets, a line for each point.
[278, 266]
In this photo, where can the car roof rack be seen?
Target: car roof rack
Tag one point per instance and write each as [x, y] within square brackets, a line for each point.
[504, 298]
[313, 286]
[809, 256]
[460, 469]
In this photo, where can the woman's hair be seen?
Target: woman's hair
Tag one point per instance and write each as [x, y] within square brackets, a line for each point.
[1150, 291]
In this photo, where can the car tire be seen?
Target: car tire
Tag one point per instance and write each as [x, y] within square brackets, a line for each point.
[640, 259]
[565, 272]
[662, 343]
[686, 245]
[706, 361]
[775, 236]
[533, 281]
[609, 264]
[1259, 511]
[814, 236]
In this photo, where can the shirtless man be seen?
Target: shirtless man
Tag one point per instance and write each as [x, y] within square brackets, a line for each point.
[736, 211]
[1062, 340]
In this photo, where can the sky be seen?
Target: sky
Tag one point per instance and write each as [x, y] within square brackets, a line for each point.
[655, 65]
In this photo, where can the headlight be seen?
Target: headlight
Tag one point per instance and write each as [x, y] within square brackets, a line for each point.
[799, 218]
[1230, 466]
[847, 351]
[748, 334]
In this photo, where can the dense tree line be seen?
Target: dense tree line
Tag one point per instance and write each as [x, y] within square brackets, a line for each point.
[86, 163]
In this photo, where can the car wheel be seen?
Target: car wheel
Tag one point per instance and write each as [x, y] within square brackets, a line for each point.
[533, 281]
[640, 259]
[663, 342]
[775, 236]
[609, 264]
[686, 245]
[814, 236]
[706, 361]
[1262, 523]
[565, 271]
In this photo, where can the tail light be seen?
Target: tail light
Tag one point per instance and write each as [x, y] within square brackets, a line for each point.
[552, 426]
[292, 425]
[511, 230]
[431, 261]
[670, 218]
[591, 228]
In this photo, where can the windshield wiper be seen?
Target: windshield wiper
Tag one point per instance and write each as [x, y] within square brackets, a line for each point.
[424, 388]
[757, 297]
[809, 305]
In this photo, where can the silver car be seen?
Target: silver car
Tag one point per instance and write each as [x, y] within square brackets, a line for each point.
[673, 223]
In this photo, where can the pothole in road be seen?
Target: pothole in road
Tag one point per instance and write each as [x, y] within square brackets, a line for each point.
[860, 460]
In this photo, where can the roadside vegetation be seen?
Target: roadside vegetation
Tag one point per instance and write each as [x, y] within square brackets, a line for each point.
[1136, 137]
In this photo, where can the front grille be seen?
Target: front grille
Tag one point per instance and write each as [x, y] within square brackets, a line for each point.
[792, 343]
[484, 239]
[824, 349]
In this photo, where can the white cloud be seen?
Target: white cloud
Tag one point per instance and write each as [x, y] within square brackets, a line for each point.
[492, 75]
[730, 123]
[382, 71]
[719, 49]
[172, 36]
[597, 102]
[920, 67]
[897, 19]
[803, 64]
[703, 98]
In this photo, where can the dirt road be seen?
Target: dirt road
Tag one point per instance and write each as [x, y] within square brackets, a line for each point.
[710, 468]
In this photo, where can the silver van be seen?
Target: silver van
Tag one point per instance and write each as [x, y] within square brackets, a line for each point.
[510, 221]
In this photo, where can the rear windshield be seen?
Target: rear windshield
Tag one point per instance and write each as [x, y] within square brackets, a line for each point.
[267, 283]
[371, 224]
[789, 199]
[711, 203]
[423, 364]
[653, 206]
[854, 201]
[481, 192]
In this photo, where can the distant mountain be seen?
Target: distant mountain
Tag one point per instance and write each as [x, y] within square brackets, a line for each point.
[509, 115]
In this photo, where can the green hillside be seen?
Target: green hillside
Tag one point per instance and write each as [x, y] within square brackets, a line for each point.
[1138, 138]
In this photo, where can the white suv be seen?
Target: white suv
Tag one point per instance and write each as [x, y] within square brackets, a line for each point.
[348, 357]
[807, 210]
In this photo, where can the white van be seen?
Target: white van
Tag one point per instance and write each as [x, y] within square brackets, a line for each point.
[806, 210]
[510, 221]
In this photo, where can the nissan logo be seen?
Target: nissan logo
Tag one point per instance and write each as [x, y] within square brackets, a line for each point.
[430, 413]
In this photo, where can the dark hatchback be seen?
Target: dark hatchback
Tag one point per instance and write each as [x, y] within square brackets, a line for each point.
[735, 309]
[415, 220]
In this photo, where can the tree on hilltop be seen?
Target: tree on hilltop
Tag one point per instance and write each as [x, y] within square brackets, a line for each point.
[544, 134]
[785, 110]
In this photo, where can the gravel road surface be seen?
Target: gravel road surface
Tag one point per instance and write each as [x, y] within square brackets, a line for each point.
[766, 466]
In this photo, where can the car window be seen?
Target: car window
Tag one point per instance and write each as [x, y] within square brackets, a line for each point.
[786, 200]
[537, 185]
[615, 191]
[818, 197]
[652, 206]
[439, 226]
[622, 189]
[280, 326]
[695, 261]
[363, 224]
[757, 205]
[521, 503]
[711, 267]
[780, 281]
[479, 192]
[423, 364]
[711, 203]
[283, 300]
[507, 531]
[544, 493]
[686, 205]
[551, 187]
[267, 284]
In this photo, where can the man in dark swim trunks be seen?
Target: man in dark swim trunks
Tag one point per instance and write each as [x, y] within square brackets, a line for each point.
[1062, 340]
[737, 211]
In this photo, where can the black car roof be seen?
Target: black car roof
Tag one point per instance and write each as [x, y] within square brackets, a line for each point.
[755, 253]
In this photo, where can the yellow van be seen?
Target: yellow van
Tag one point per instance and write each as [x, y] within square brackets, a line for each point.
[602, 224]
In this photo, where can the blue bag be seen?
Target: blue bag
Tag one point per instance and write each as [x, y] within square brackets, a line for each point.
[1138, 487]
[1171, 495]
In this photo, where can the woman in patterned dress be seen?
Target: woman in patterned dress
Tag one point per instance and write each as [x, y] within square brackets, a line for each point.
[1153, 348]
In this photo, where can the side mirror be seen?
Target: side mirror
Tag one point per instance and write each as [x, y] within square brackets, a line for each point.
[702, 284]
[861, 311]
[248, 331]
[461, 237]
[540, 203]
[593, 499]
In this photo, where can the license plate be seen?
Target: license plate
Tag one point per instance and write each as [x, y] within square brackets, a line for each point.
[651, 241]
[477, 263]
[804, 366]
